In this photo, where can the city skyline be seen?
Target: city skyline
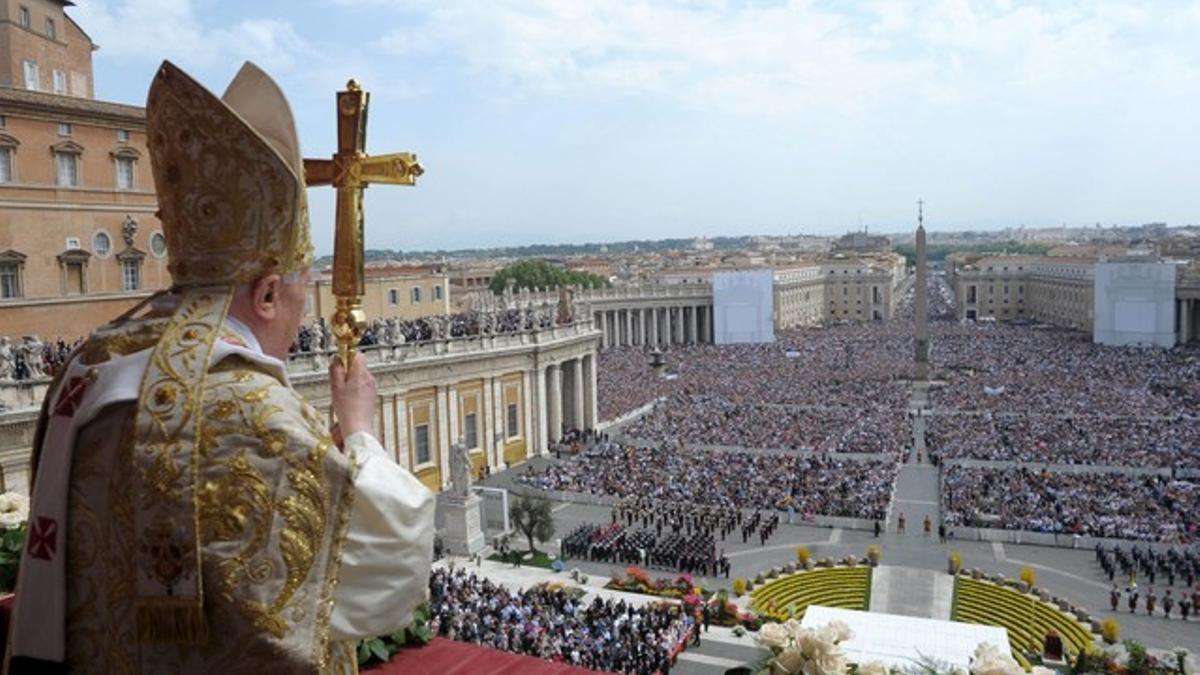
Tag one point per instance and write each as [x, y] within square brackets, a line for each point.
[658, 120]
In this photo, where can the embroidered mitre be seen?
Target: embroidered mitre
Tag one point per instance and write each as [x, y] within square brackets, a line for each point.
[229, 178]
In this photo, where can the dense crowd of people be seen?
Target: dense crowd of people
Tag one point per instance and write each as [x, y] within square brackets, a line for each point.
[674, 535]
[808, 484]
[555, 625]
[1172, 442]
[713, 420]
[1161, 566]
[32, 358]
[1144, 507]
[318, 336]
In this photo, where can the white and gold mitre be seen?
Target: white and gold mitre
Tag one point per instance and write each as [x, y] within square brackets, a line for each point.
[229, 178]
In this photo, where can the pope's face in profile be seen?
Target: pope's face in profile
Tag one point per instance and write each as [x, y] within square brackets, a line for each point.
[293, 305]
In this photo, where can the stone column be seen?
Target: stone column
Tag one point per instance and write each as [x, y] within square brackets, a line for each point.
[527, 378]
[577, 414]
[555, 396]
[499, 415]
[543, 426]
[706, 324]
[403, 458]
[590, 414]
[452, 417]
[441, 451]
[654, 326]
[695, 336]
[1185, 321]
[487, 416]
[629, 327]
[679, 336]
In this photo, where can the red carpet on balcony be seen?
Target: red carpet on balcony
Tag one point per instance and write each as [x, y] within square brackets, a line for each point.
[447, 657]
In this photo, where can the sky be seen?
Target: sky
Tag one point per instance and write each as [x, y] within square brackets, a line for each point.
[559, 121]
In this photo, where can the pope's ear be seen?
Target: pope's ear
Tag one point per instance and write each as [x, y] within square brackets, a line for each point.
[265, 297]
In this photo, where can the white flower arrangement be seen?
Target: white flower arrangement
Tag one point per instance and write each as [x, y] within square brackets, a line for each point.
[807, 651]
[14, 510]
[989, 660]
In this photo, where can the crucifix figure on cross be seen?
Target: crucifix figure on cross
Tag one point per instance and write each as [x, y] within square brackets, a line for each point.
[350, 171]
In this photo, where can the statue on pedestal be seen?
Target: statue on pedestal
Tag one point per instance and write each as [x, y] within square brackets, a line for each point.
[460, 469]
[8, 360]
[33, 357]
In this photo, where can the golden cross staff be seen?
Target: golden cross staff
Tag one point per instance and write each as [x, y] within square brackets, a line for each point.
[350, 171]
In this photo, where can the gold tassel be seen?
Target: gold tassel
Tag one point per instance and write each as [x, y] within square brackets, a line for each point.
[174, 624]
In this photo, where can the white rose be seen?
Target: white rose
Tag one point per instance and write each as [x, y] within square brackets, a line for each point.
[1190, 664]
[996, 666]
[873, 668]
[837, 631]
[788, 662]
[813, 645]
[774, 636]
[831, 664]
[14, 509]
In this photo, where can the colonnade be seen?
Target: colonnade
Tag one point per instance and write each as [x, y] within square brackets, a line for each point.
[566, 398]
[657, 326]
[1186, 319]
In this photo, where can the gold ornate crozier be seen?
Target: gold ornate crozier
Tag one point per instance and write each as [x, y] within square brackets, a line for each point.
[350, 171]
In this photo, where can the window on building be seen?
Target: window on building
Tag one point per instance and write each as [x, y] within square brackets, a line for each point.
[122, 135]
[393, 296]
[437, 292]
[6, 172]
[79, 84]
[74, 279]
[416, 295]
[131, 274]
[64, 128]
[51, 29]
[125, 173]
[32, 76]
[471, 430]
[24, 18]
[67, 168]
[512, 422]
[10, 279]
[421, 443]
[158, 244]
[60, 83]
[101, 244]
[3, 121]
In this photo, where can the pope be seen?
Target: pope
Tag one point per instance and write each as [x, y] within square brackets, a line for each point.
[191, 513]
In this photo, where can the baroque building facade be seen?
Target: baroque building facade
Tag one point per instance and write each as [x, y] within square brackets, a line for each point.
[1057, 290]
[78, 236]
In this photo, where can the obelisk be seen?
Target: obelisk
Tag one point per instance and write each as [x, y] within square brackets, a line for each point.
[922, 298]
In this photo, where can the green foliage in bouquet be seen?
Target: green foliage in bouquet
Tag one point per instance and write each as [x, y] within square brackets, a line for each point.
[378, 650]
[12, 541]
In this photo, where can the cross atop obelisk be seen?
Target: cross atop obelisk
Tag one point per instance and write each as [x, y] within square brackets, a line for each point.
[922, 297]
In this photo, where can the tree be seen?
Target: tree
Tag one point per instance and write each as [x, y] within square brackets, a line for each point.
[541, 274]
[533, 518]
